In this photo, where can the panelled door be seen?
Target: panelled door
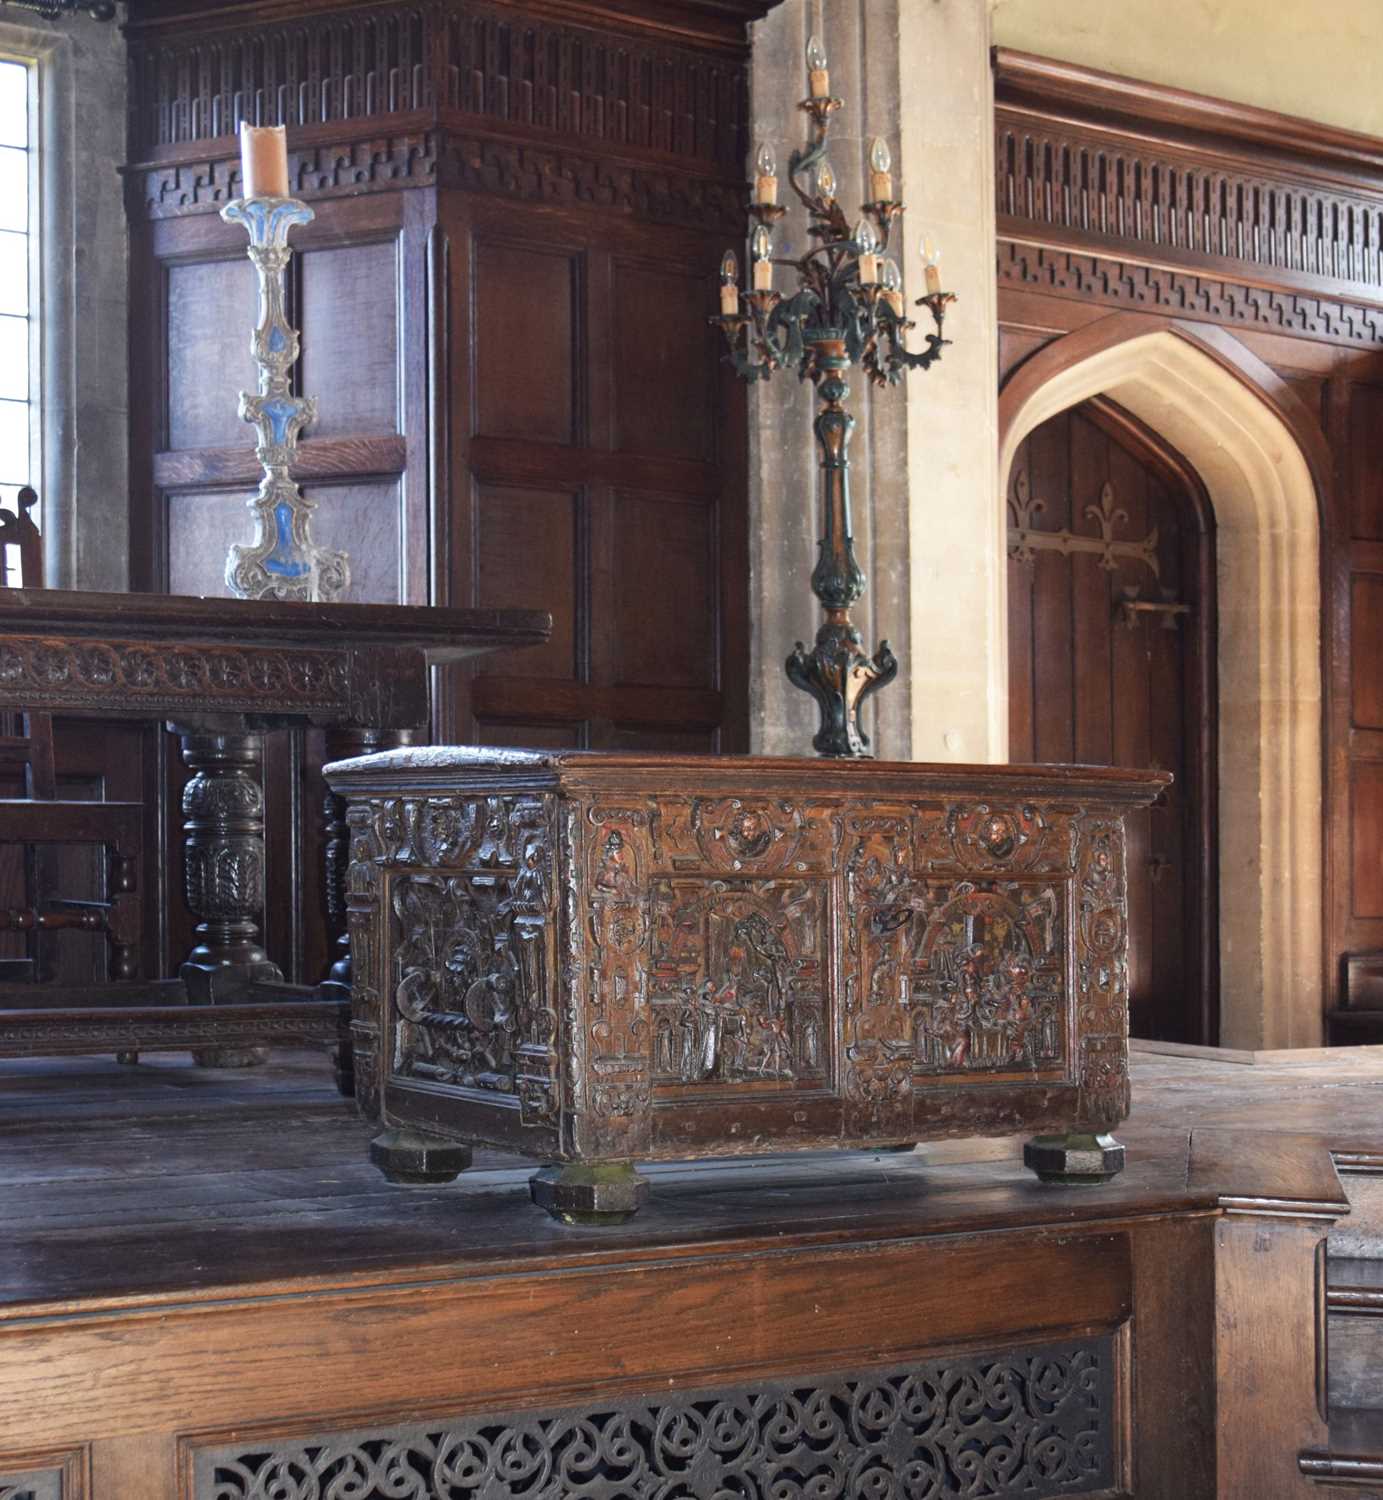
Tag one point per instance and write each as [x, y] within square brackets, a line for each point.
[1111, 662]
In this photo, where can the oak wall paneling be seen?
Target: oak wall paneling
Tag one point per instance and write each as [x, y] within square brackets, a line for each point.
[1118, 196]
[504, 306]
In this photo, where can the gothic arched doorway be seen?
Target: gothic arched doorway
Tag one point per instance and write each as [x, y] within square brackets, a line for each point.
[1260, 454]
[1111, 607]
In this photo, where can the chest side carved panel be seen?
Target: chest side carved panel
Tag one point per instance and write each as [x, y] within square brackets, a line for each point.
[467, 978]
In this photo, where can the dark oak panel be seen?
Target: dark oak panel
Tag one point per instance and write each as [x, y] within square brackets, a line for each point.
[350, 338]
[527, 359]
[663, 400]
[211, 314]
[1366, 648]
[529, 544]
[664, 588]
[1366, 478]
[1366, 820]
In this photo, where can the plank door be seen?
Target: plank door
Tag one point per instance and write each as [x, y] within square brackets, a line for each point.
[1112, 661]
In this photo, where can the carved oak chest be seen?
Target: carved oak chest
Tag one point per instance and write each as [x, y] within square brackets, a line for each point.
[595, 959]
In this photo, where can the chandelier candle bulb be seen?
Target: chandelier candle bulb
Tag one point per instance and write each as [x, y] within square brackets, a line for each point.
[880, 175]
[931, 266]
[825, 181]
[729, 285]
[818, 79]
[263, 161]
[763, 260]
[893, 286]
[863, 236]
[766, 175]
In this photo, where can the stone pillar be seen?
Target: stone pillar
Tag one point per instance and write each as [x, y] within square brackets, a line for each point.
[861, 38]
[928, 523]
[955, 512]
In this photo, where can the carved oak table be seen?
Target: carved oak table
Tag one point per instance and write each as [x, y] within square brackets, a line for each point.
[595, 959]
[220, 672]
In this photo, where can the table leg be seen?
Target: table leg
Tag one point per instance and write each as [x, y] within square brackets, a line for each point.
[343, 744]
[223, 813]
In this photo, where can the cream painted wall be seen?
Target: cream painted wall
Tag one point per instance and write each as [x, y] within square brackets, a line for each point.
[1314, 58]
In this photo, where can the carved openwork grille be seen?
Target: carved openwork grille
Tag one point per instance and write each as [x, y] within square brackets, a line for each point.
[1034, 1424]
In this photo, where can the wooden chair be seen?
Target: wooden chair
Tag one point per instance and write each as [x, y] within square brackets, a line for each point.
[42, 818]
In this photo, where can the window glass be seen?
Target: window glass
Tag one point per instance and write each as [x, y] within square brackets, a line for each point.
[18, 344]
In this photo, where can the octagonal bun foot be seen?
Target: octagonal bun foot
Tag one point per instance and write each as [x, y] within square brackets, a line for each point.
[410, 1158]
[608, 1193]
[1075, 1159]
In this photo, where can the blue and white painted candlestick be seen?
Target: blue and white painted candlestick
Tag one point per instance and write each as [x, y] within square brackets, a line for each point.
[283, 562]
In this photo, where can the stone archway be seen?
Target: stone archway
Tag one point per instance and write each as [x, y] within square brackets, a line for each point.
[1259, 453]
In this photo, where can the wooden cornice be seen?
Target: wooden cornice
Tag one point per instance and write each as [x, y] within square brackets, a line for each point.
[718, 23]
[1156, 112]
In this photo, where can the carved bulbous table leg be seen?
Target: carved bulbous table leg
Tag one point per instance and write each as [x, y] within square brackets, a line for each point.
[607, 1193]
[1078, 1158]
[223, 812]
[343, 744]
[412, 1158]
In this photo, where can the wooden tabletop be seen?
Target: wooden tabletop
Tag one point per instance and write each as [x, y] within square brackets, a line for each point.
[444, 634]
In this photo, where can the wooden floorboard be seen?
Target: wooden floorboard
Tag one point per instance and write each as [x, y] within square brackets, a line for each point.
[165, 1179]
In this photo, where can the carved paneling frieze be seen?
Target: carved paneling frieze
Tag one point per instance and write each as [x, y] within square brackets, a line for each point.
[406, 159]
[1094, 181]
[1032, 1423]
[1123, 284]
[529, 173]
[487, 62]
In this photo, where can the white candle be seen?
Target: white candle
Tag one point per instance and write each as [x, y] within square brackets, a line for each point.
[263, 161]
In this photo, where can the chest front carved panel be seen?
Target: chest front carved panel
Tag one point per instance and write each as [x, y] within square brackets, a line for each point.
[678, 972]
[738, 973]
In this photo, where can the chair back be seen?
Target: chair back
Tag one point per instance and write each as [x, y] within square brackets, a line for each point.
[27, 743]
[17, 530]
